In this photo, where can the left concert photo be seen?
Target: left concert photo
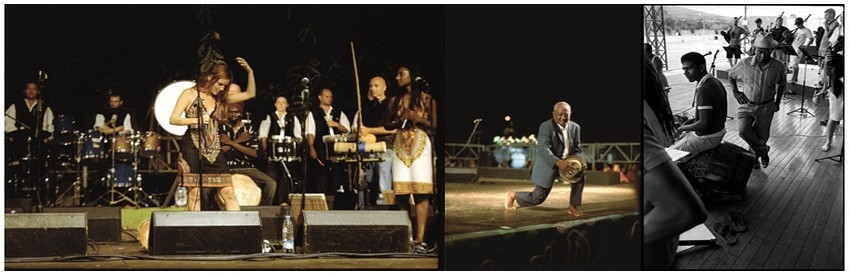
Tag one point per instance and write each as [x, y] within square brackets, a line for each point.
[224, 137]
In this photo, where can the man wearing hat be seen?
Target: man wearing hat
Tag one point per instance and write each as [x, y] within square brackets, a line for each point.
[802, 37]
[558, 144]
[764, 81]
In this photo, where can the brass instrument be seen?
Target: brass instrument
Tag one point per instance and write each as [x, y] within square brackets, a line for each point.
[575, 171]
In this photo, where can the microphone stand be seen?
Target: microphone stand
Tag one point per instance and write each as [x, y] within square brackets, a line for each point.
[36, 175]
[305, 98]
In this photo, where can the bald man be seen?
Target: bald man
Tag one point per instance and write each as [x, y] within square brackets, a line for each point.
[557, 138]
[379, 175]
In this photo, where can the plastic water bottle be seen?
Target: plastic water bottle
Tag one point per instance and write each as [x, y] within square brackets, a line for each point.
[180, 199]
[288, 235]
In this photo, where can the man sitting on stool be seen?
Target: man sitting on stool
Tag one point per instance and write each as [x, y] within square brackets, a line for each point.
[707, 128]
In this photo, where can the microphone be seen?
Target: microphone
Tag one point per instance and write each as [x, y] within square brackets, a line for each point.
[42, 75]
[477, 120]
[305, 81]
[707, 54]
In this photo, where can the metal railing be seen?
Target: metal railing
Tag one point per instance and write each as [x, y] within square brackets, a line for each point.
[522, 155]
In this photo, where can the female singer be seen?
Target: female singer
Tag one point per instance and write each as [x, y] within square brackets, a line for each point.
[414, 114]
[201, 147]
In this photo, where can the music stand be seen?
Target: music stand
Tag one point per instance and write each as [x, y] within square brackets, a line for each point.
[789, 51]
[802, 110]
[836, 158]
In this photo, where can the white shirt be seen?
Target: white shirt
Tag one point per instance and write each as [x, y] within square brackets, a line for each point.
[10, 123]
[99, 120]
[565, 131]
[311, 124]
[801, 36]
[265, 125]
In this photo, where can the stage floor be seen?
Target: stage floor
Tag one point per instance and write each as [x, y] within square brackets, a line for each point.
[478, 207]
[129, 255]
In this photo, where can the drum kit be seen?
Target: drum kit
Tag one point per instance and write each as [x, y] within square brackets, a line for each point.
[73, 151]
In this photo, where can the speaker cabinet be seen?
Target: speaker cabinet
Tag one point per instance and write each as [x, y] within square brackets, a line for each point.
[45, 235]
[357, 232]
[206, 232]
[104, 223]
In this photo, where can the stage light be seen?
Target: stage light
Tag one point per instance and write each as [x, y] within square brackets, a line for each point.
[507, 118]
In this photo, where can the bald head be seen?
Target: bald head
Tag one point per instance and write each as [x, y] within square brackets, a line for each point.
[377, 87]
[561, 113]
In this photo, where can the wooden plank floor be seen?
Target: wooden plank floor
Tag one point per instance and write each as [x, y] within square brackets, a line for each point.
[794, 208]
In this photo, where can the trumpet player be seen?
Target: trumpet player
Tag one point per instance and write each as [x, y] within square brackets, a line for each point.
[558, 138]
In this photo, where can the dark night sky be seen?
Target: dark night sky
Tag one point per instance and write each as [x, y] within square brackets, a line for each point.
[139, 49]
[519, 60]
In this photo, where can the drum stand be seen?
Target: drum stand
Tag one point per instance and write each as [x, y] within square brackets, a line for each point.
[139, 194]
[111, 181]
[80, 183]
[292, 182]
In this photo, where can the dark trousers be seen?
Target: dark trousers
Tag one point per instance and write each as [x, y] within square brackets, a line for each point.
[540, 194]
[266, 183]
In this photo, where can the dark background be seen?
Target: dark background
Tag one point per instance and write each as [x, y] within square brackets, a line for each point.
[520, 60]
[139, 49]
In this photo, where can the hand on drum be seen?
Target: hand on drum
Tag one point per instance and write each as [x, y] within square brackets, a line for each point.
[562, 164]
[244, 64]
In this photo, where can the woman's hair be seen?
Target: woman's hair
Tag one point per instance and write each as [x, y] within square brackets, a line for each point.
[653, 94]
[216, 73]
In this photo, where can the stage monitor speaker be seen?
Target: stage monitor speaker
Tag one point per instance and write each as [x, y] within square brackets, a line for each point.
[357, 232]
[104, 223]
[205, 232]
[45, 235]
[271, 218]
[314, 201]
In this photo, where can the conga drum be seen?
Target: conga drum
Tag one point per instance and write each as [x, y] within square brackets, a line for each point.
[724, 169]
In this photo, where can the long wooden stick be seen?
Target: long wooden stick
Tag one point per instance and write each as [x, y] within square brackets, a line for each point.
[357, 83]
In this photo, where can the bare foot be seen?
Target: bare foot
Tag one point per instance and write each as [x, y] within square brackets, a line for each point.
[509, 200]
[574, 211]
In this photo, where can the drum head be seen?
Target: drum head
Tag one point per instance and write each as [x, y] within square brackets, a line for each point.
[165, 102]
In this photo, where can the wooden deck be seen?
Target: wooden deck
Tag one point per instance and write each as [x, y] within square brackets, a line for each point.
[794, 208]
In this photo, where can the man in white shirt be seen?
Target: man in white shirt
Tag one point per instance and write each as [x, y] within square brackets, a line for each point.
[26, 119]
[119, 118]
[802, 37]
[20, 121]
[322, 121]
[281, 123]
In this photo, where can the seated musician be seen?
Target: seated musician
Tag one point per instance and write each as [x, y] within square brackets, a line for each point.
[280, 123]
[239, 145]
[707, 128]
[115, 119]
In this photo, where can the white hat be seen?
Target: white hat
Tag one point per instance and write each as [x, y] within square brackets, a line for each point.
[764, 41]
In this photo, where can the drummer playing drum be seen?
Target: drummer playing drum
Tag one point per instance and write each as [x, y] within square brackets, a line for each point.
[278, 125]
[115, 118]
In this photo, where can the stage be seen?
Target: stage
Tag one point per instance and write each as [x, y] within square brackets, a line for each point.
[128, 253]
[482, 235]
